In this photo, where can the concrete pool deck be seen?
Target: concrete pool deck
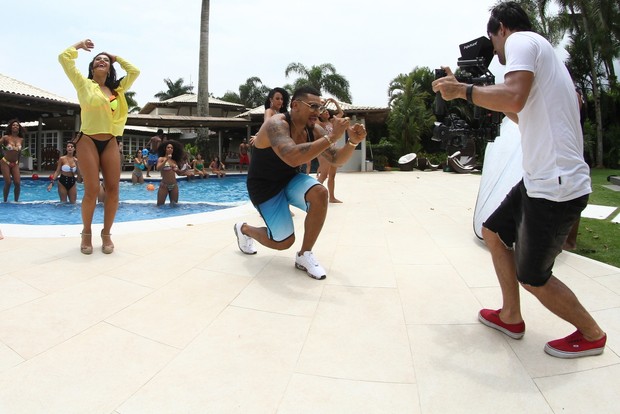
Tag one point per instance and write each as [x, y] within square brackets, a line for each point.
[178, 320]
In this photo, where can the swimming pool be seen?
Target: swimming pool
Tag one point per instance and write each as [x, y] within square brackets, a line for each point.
[37, 206]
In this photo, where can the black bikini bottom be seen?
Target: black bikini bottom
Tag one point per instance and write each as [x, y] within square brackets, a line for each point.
[67, 181]
[100, 144]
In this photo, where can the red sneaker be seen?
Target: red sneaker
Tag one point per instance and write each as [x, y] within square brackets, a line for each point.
[490, 318]
[575, 346]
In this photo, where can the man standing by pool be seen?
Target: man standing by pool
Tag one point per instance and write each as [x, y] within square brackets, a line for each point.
[274, 181]
[244, 157]
[153, 148]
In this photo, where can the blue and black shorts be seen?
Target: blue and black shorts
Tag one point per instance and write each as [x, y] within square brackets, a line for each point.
[275, 211]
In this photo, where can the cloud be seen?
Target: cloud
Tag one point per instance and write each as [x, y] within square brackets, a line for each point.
[369, 44]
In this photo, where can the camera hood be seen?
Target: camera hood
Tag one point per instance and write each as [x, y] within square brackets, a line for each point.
[480, 50]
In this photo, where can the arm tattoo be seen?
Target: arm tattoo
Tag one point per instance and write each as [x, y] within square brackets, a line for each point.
[279, 136]
[330, 154]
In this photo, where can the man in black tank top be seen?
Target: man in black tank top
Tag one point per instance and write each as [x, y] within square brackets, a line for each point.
[274, 182]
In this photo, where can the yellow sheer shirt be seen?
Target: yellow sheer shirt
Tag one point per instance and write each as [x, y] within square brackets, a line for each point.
[96, 113]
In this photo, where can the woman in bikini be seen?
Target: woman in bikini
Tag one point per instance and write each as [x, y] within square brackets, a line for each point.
[199, 167]
[67, 175]
[12, 142]
[104, 114]
[327, 171]
[217, 167]
[276, 103]
[170, 157]
[139, 165]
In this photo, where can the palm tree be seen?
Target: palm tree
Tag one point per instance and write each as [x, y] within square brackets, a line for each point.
[551, 27]
[252, 93]
[579, 14]
[174, 89]
[231, 96]
[131, 102]
[323, 77]
[203, 62]
[410, 118]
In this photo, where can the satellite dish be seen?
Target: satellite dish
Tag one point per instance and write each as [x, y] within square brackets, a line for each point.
[405, 159]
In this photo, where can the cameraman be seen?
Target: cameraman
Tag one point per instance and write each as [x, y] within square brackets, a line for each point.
[526, 232]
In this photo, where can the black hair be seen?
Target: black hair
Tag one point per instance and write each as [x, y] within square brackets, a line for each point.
[304, 91]
[110, 81]
[74, 148]
[160, 132]
[8, 131]
[511, 15]
[285, 99]
[177, 150]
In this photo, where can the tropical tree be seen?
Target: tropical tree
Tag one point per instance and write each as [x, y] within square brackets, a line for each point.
[176, 88]
[203, 61]
[551, 26]
[322, 77]
[130, 96]
[410, 117]
[231, 96]
[583, 20]
[252, 93]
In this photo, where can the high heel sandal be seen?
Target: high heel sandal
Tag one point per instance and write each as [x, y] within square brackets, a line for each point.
[109, 248]
[86, 249]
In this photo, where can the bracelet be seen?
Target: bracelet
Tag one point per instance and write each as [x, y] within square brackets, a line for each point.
[353, 144]
[328, 140]
[468, 92]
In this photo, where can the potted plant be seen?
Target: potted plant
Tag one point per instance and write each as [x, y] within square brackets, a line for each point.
[380, 162]
[25, 161]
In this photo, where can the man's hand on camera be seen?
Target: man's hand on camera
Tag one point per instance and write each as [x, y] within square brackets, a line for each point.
[449, 87]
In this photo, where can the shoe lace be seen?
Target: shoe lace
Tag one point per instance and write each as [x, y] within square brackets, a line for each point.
[311, 260]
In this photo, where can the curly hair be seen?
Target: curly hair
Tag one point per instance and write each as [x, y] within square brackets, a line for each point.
[8, 131]
[177, 150]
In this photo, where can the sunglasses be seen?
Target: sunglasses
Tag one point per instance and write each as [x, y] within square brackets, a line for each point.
[314, 106]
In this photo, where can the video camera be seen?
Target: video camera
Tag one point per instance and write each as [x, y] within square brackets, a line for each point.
[453, 131]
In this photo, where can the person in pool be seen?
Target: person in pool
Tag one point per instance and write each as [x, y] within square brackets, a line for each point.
[139, 165]
[199, 167]
[12, 142]
[170, 157]
[67, 174]
[217, 167]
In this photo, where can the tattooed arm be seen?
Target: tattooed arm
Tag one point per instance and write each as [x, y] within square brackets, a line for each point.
[278, 133]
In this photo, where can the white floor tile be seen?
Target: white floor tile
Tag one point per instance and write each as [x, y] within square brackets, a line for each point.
[358, 333]
[310, 394]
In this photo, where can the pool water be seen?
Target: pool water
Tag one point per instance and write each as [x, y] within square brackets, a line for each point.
[38, 206]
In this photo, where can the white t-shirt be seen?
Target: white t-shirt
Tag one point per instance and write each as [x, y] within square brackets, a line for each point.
[551, 137]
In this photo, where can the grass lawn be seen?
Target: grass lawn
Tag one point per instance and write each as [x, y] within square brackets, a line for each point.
[600, 239]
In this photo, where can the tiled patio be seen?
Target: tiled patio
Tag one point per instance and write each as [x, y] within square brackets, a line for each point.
[178, 320]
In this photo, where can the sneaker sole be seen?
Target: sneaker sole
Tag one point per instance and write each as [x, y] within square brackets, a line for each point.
[238, 243]
[568, 355]
[300, 267]
[505, 331]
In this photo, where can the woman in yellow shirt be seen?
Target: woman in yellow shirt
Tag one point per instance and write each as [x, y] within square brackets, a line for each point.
[104, 114]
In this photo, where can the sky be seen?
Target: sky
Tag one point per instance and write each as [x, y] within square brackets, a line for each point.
[369, 43]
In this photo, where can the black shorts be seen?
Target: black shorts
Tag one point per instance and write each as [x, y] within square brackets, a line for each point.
[537, 228]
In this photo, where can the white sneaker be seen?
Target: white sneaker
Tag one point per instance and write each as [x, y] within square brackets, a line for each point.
[246, 244]
[308, 263]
